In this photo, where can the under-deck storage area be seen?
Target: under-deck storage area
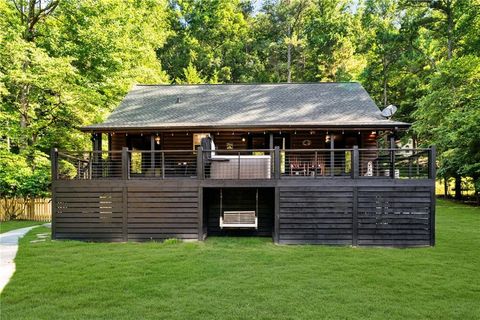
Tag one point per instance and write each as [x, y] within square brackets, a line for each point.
[242, 201]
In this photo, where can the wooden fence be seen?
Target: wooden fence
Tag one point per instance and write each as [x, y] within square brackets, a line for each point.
[27, 209]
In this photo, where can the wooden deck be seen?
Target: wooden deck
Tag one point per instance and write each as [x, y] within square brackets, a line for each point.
[348, 209]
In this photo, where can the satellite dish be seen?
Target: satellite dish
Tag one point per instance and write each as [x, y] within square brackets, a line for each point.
[389, 111]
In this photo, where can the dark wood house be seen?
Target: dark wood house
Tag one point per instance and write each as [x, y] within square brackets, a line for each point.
[312, 163]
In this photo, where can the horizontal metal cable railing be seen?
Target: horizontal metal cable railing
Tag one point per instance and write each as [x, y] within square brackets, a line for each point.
[88, 165]
[316, 163]
[165, 164]
[395, 163]
[244, 164]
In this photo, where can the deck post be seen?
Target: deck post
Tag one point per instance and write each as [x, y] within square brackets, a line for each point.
[200, 173]
[276, 230]
[200, 214]
[152, 153]
[432, 173]
[392, 156]
[125, 166]
[332, 155]
[54, 164]
[355, 217]
[276, 159]
[355, 162]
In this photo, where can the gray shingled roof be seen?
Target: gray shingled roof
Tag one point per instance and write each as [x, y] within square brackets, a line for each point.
[246, 105]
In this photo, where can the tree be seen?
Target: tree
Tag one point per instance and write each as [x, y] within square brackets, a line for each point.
[449, 116]
[211, 36]
[330, 32]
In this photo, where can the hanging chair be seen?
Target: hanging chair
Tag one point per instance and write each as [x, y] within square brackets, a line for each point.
[238, 219]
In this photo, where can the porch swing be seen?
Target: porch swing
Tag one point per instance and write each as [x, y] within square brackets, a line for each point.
[238, 219]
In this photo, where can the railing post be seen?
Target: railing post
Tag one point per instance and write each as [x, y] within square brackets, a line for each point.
[276, 165]
[355, 162]
[163, 164]
[432, 173]
[432, 169]
[200, 168]
[125, 166]
[54, 163]
[332, 156]
[238, 173]
[392, 163]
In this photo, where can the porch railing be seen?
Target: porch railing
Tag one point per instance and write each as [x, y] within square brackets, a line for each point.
[244, 164]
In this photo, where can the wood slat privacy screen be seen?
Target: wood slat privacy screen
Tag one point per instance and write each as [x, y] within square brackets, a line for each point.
[364, 216]
[125, 213]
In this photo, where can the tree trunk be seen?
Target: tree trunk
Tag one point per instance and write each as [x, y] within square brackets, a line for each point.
[458, 188]
[445, 187]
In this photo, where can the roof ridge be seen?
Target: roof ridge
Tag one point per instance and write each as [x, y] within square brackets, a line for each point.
[244, 83]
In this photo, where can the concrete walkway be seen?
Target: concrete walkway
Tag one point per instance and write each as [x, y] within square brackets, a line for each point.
[8, 251]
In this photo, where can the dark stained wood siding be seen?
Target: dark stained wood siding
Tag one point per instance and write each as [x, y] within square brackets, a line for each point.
[394, 216]
[370, 212]
[88, 213]
[177, 141]
[316, 215]
[223, 138]
[154, 211]
[363, 211]
[317, 140]
[162, 213]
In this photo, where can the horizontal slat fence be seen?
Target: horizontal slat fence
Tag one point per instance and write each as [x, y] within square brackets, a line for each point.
[394, 216]
[316, 215]
[89, 213]
[162, 214]
[124, 213]
[29, 209]
[359, 215]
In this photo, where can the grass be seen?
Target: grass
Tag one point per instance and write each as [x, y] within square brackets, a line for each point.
[250, 278]
[6, 226]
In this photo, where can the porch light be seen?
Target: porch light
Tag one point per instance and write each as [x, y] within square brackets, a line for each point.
[327, 138]
[374, 132]
[243, 139]
[157, 139]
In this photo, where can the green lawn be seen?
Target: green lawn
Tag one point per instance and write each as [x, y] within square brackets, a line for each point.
[250, 278]
[6, 226]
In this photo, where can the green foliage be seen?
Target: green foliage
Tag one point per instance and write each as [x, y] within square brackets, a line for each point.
[449, 117]
[65, 64]
[19, 180]
[209, 38]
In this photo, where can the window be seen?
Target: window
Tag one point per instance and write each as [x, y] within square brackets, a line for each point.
[197, 139]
